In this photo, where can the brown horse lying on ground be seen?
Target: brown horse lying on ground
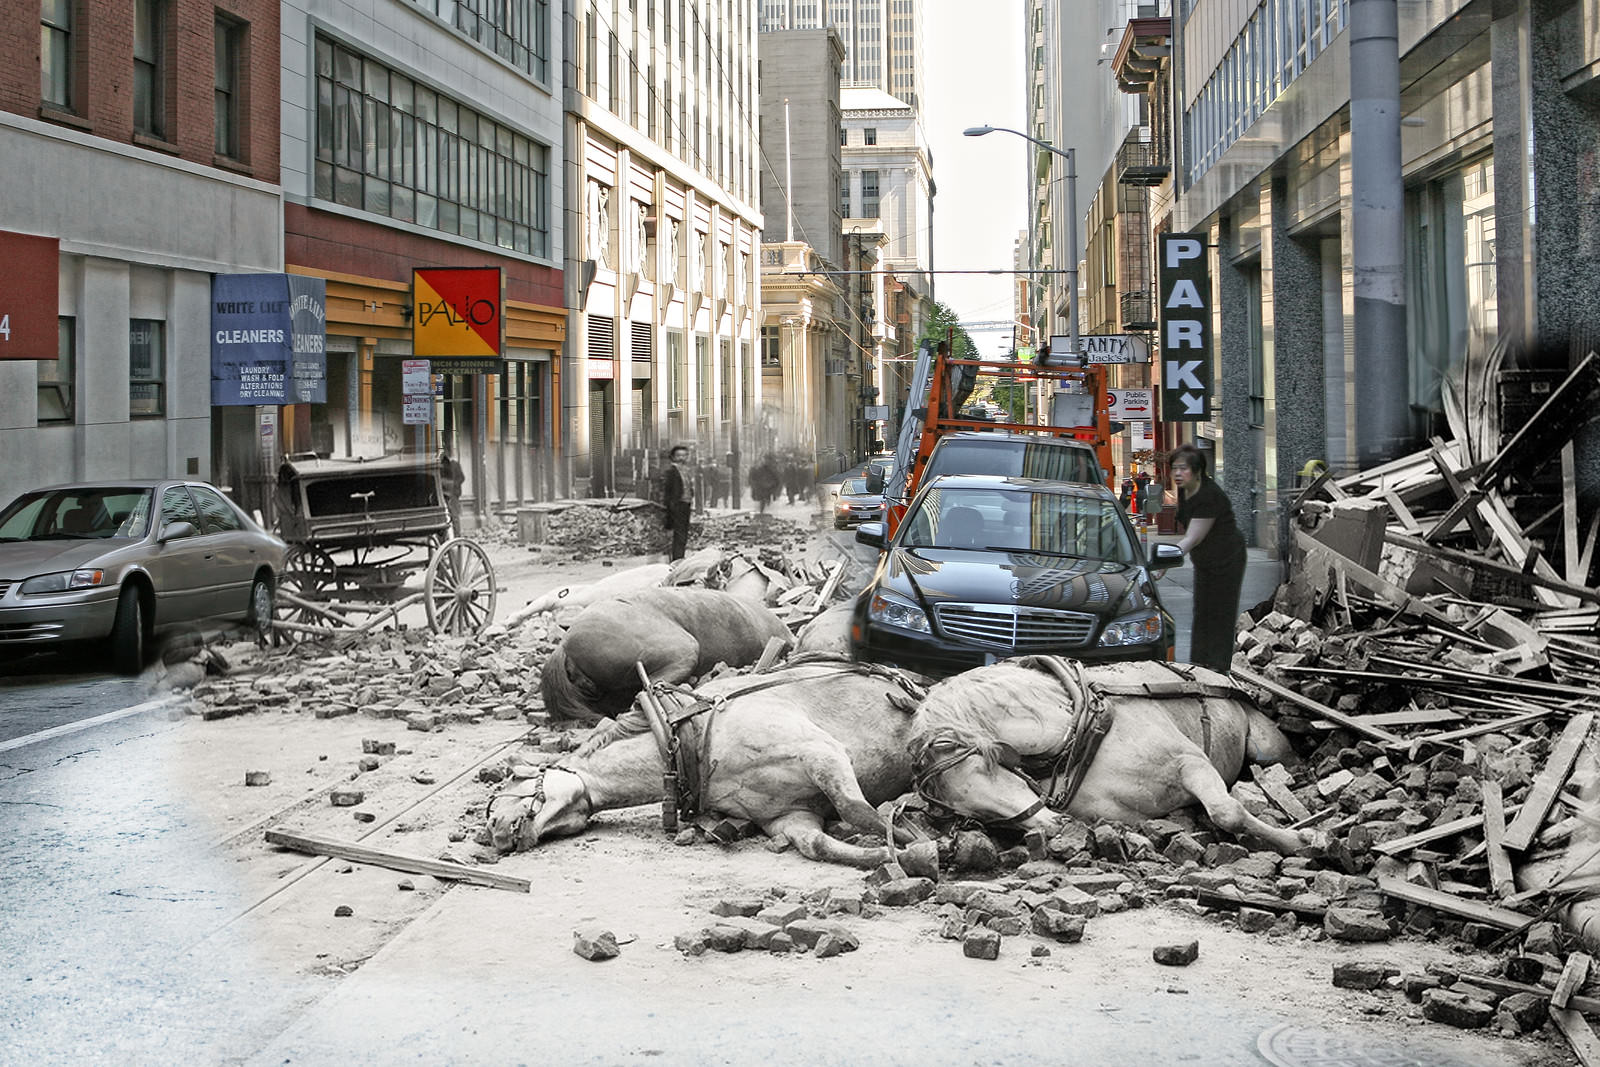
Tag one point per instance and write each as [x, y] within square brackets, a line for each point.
[1024, 739]
[678, 634]
[786, 749]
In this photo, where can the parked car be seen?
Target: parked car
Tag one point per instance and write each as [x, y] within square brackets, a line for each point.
[127, 559]
[986, 567]
[855, 503]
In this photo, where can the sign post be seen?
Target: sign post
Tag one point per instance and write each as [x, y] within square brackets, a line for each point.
[1184, 281]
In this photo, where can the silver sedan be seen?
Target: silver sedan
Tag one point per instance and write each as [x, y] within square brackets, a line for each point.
[127, 559]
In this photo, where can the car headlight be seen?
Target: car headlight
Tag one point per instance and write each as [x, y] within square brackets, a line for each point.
[891, 610]
[62, 581]
[1138, 629]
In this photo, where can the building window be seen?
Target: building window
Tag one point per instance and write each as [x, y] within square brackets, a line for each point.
[55, 53]
[869, 136]
[229, 47]
[844, 196]
[149, 33]
[844, 137]
[869, 194]
[727, 381]
[677, 371]
[518, 31]
[702, 370]
[147, 367]
[771, 353]
[395, 147]
[57, 377]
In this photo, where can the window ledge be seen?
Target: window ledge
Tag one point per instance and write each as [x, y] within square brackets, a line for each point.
[150, 140]
[238, 166]
[51, 113]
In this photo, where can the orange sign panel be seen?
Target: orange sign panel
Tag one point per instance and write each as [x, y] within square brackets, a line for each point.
[457, 311]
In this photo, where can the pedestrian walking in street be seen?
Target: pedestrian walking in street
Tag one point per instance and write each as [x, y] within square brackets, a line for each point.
[451, 479]
[1215, 548]
[1141, 491]
[766, 482]
[677, 498]
[1126, 490]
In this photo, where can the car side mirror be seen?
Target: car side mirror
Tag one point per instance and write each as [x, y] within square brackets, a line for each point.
[870, 533]
[1164, 556]
[173, 531]
[874, 483]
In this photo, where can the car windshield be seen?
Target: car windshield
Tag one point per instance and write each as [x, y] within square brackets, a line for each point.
[1019, 520]
[76, 514]
[1045, 458]
[855, 487]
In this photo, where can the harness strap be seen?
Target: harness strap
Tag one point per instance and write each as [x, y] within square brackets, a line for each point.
[1091, 722]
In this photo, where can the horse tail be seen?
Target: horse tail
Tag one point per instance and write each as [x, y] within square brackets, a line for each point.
[1264, 742]
[567, 695]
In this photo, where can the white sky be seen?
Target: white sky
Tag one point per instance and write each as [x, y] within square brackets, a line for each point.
[972, 70]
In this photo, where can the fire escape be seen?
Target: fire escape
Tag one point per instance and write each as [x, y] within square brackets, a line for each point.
[1143, 160]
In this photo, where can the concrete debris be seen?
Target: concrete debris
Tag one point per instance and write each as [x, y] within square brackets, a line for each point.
[981, 944]
[257, 777]
[595, 943]
[1180, 955]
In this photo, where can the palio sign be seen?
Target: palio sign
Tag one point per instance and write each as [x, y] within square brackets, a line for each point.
[1184, 282]
[456, 312]
[30, 279]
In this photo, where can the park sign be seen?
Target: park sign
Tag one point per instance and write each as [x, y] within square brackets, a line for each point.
[456, 312]
[268, 340]
[1183, 280]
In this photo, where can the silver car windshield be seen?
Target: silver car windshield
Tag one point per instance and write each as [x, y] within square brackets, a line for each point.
[1015, 520]
[94, 512]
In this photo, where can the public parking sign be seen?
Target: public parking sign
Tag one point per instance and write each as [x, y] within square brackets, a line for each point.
[1130, 405]
[1184, 281]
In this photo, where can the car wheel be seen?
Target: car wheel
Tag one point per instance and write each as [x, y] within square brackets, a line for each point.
[127, 633]
[261, 609]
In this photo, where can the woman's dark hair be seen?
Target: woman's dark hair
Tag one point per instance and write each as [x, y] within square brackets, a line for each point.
[1191, 457]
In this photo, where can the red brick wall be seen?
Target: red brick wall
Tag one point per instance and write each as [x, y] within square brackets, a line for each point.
[103, 40]
[321, 240]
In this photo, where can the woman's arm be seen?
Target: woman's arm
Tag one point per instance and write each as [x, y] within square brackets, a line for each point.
[1198, 528]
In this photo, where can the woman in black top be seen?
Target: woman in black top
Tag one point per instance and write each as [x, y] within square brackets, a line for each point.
[1212, 541]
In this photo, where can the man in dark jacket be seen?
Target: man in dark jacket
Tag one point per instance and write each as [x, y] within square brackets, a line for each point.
[677, 499]
[451, 479]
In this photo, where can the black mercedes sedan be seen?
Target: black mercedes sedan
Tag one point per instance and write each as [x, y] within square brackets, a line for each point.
[984, 567]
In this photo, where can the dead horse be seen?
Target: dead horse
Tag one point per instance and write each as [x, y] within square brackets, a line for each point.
[1021, 740]
[678, 634]
[786, 749]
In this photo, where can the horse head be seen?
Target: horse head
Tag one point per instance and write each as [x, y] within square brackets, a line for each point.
[554, 805]
[980, 778]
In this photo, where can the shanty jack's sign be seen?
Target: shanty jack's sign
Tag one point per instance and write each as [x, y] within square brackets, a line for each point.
[1184, 281]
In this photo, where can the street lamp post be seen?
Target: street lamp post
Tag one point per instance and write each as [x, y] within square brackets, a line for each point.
[1072, 219]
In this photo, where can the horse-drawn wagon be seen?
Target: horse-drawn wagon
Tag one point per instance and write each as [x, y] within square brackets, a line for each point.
[358, 530]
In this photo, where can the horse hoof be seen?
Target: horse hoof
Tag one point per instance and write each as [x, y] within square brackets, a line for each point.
[920, 860]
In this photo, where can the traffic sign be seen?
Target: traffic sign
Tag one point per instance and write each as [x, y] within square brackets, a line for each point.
[1129, 405]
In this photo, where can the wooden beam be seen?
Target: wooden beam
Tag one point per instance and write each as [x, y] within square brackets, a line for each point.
[1375, 733]
[1466, 500]
[1506, 985]
[395, 861]
[1494, 567]
[1520, 834]
[1433, 833]
[1317, 552]
[1273, 781]
[1501, 880]
[1402, 513]
[1573, 975]
[1575, 1028]
[1450, 904]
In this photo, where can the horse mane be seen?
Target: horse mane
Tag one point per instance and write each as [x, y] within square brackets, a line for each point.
[967, 708]
[564, 695]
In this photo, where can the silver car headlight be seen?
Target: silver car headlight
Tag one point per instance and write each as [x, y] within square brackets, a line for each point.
[1140, 628]
[890, 610]
[63, 581]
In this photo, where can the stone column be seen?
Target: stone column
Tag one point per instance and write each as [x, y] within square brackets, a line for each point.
[1296, 368]
[1231, 388]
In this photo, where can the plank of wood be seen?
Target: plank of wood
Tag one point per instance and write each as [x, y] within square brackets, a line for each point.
[1519, 550]
[1402, 514]
[1573, 975]
[1520, 834]
[1501, 880]
[1493, 727]
[1375, 733]
[1580, 1036]
[1492, 566]
[1359, 575]
[1430, 835]
[1233, 899]
[1465, 506]
[1412, 716]
[1450, 904]
[769, 655]
[1276, 787]
[395, 861]
[1506, 985]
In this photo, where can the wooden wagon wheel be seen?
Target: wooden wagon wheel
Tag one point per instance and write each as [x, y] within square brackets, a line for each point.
[308, 573]
[459, 591]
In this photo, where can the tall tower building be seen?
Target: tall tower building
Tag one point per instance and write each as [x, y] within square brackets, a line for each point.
[882, 38]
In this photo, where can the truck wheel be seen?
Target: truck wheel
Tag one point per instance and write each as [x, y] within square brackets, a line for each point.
[127, 633]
